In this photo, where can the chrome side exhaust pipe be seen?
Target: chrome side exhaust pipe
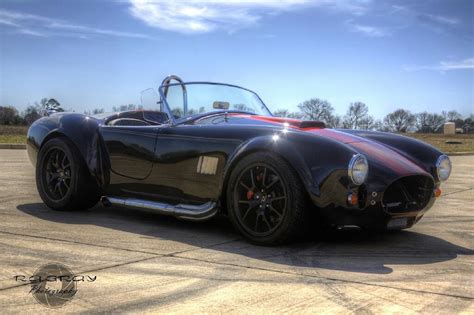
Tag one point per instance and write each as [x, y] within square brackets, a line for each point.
[181, 211]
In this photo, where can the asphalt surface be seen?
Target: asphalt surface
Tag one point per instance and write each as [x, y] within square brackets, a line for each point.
[147, 263]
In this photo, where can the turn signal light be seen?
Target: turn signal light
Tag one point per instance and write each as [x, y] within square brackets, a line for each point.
[437, 192]
[352, 199]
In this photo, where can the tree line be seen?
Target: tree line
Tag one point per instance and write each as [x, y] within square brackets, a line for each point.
[356, 117]
[9, 115]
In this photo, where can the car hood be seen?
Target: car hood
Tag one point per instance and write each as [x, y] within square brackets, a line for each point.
[379, 155]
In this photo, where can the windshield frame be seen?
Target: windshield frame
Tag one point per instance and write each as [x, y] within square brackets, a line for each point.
[174, 121]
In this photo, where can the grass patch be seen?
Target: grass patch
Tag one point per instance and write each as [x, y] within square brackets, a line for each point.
[13, 134]
[439, 141]
[17, 134]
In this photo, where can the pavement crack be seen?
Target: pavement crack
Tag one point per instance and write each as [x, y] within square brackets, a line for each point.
[327, 278]
[80, 243]
[457, 191]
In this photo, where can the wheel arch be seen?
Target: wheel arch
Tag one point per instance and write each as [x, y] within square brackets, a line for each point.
[81, 131]
[283, 149]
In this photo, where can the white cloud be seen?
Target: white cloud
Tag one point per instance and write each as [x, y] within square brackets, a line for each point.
[31, 32]
[371, 31]
[443, 66]
[41, 26]
[457, 65]
[441, 19]
[367, 30]
[201, 16]
[8, 22]
[80, 29]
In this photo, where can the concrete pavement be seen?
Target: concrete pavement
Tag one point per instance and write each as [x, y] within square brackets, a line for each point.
[148, 263]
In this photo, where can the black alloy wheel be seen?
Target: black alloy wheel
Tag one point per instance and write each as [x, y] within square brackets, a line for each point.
[62, 177]
[260, 198]
[266, 201]
[57, 174]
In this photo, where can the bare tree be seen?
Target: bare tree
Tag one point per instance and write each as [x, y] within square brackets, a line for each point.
[358, 117]
[468, 125]
[452, 115]
[281, 113]
[335, 121]
[399, 120]
[316, 109]
[295, 115]
[421, 122]
[288, 114]
[435, 122]
[95, 111]
[429, 123]
[124, 108]
[31, 114]
[377, 125]
[9, 115]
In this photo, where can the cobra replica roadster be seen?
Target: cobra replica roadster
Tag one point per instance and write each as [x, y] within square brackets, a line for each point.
[202, 148]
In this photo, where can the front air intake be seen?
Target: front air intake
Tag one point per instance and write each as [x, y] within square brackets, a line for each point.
[411, 193]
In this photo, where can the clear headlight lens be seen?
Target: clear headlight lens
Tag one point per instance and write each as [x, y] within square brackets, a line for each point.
[443, 167]
[358, 169]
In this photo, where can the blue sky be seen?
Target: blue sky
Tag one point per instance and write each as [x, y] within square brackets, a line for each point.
[388, 54]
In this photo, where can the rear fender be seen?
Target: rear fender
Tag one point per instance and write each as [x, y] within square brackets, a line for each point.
[82, 130]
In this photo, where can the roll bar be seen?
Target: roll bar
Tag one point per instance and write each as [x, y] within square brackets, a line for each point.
[166, 81]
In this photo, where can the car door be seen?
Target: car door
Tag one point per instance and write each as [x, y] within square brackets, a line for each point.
[189, 163]
[131, 150]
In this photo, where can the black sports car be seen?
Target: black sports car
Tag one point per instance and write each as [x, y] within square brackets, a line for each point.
[208, 147]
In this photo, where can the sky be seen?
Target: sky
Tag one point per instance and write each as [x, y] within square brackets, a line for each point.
[389, 54]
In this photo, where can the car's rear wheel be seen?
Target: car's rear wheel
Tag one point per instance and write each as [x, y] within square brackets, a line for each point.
[266, 200]
[62, 178]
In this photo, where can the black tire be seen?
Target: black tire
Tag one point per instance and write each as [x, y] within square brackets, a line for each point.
[271, 209]
[62, 178]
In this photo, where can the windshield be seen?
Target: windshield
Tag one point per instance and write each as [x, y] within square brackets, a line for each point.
[188, 99]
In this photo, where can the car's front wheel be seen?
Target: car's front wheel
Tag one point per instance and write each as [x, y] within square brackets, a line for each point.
[62, 178]
[266, 200]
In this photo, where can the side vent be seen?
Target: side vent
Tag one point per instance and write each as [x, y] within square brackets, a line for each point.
[207, 165]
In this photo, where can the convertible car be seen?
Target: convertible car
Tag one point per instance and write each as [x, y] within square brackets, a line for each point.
[203, 148]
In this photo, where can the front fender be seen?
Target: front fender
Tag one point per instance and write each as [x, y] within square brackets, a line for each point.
[313, 158]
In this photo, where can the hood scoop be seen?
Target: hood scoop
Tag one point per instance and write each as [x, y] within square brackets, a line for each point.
[311, 124]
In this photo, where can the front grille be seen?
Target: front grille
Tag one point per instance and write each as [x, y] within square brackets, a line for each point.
[411, 193]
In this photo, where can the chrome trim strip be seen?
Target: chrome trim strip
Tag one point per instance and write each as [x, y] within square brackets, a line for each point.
[181, 211]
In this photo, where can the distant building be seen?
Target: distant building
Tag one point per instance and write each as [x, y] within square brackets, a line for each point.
[449, 128]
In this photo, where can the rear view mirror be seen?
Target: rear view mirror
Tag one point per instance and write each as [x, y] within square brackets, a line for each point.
[220, 105]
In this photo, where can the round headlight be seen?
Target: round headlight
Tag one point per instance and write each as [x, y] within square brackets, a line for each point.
[358, 169]
[443, 167]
